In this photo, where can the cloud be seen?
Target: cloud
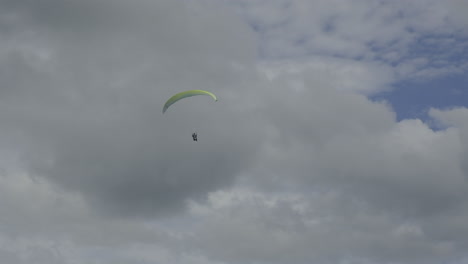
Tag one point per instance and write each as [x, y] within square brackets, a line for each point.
[84, 101]
[294, 163]
[43, 224]
[327, 227]
[391, 33]
[398, 188]
[456, 118]
[339, 74]
[330, 137]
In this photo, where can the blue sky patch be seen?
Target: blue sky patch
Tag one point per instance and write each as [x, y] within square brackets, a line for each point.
[413, 99]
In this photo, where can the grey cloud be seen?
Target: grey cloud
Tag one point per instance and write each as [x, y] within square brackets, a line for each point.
[329, 227]
[296, 170]
[9, 256]
[401, 186]
[85, 104]
[327, 137]
[456, 120]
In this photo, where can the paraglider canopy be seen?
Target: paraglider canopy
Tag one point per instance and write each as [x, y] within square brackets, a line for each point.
[186, 94]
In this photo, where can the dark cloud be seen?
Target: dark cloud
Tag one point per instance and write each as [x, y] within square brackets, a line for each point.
[85, 104]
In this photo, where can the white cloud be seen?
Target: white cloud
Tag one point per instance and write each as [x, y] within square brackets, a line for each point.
[388, 32]
[396, 183]
[335, 73]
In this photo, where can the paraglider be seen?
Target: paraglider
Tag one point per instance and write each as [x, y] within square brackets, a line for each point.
[186, 94]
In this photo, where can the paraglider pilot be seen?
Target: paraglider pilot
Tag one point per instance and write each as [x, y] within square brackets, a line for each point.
[194, 136]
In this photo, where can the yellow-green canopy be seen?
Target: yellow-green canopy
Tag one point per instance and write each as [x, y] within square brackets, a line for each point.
[186, 94]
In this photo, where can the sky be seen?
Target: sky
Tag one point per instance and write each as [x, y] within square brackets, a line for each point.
[340, 134]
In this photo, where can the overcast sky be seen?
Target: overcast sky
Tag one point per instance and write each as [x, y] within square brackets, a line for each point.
[340, 134]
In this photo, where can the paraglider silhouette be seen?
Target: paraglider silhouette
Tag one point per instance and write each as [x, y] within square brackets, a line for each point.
[186, 94]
